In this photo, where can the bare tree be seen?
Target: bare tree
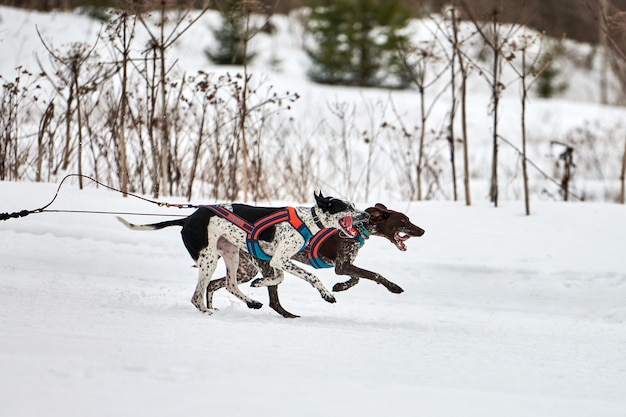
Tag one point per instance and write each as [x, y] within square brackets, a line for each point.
[160, 42]
[18, 99]
[464, 67]
[612, 26]
[247, 8]
[622, 178]
[452, 114]
[531, 68]
[566, 162]
[496, 36]
[452, 34]
[417, 59]
[78, 71]
[121, 34]
[603, 47]
[44, 124]
[343, 132]
[208, 92]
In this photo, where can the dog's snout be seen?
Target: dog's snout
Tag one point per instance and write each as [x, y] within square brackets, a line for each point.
[362, 216]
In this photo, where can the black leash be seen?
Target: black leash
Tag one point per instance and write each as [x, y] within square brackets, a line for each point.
[15, 215]
[24, 213]
[117, 213]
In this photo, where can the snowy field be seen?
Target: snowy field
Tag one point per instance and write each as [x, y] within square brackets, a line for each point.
[502, 315]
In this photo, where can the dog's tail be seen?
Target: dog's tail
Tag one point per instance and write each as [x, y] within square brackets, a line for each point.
[153, 226]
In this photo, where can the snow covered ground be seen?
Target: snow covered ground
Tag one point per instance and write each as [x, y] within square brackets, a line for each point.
[502, 315]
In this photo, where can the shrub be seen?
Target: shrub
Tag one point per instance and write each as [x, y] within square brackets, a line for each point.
[356, 42]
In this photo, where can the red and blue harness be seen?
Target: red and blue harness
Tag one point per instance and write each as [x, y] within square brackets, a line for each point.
[312, 243]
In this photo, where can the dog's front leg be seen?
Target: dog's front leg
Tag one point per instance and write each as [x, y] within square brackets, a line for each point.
[281, 260]
[347, 268]
[272, 289]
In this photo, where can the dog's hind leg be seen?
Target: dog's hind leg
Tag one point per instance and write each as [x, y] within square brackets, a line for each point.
[271, 276]
[214, 285]
[230, 254]
[246, 271]
[272, 291]
[207, 262]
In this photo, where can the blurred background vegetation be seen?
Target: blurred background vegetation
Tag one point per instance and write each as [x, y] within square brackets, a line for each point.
[577, 19]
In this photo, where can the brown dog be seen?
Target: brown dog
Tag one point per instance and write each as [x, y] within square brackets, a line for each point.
[337, 251]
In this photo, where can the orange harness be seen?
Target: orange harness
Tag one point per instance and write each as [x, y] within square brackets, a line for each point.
[254, 230]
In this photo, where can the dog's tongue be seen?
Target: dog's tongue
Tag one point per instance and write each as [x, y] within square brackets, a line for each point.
[400, 238]
[346, 223]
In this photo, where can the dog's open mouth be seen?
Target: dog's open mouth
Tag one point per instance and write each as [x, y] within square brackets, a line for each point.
[346, 225]
[400, 238]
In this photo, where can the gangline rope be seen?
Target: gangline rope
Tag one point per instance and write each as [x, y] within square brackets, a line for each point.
[24, 213]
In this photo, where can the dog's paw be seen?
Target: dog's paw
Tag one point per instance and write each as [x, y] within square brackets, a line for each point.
[287, 314]
[197, 302]
[396, 289]
[342, 286]
[329, 297]
[254, 304]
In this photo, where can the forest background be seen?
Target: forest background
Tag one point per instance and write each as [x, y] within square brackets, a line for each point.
[84, 126]
[555, 17]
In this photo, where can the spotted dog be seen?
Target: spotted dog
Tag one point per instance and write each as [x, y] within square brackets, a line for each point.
[333, 250]
[222, 230]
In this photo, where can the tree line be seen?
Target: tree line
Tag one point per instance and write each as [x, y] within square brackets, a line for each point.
[572, 18]
[127, 118]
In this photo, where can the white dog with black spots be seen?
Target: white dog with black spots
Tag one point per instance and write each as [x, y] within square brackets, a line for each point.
[208, 237]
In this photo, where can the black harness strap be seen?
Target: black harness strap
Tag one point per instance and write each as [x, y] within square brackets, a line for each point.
[316, 219]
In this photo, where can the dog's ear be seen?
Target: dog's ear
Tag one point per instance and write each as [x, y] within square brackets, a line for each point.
[385, 212]
[377, 213]
[321, 201]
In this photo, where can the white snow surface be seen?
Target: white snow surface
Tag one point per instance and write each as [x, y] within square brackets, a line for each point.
[503, 315]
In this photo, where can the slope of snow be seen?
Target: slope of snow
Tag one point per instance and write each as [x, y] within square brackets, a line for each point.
[502, 315]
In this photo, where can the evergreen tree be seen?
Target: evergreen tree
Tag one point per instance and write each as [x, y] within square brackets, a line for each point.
[229, 35]
[550, 82]
[357, 42]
